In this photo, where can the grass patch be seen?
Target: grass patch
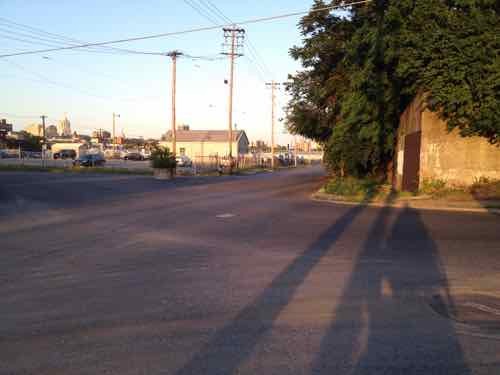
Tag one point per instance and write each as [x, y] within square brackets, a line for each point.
[250, 170]
[78, 170]
[434, 187]
[357, 189]
[482, 189]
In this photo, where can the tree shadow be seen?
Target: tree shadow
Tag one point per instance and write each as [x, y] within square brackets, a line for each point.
[233, 343]
[383, 324]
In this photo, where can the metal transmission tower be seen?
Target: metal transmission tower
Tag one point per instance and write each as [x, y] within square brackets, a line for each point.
[233, 47]
[173, 55]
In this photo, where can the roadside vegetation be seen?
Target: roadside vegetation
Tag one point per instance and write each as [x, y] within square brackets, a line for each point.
[363, 66]
[354, 189]
[483, 189]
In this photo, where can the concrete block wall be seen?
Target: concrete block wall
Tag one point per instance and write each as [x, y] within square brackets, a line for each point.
[458, 160]
[444, 155]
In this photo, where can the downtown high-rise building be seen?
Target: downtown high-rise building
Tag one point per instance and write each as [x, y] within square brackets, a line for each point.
[64, 127]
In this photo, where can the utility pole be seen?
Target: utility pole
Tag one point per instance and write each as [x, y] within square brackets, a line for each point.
[44, 140]
[273, 86]
[43, 117]
[173, 55]
[114, 138]
[233, 43]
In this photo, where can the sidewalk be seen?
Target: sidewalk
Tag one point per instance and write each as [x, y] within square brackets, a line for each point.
[420, 202]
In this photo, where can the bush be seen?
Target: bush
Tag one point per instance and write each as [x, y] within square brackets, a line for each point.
[162, 158]
[434, 187]
[351, 186]
[485, 188]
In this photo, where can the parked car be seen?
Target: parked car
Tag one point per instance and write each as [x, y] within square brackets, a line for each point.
[111, 154]
[133, 156]
[31, 155]
[183, 161]
[89, 160]
[10, 154]
[65, 154]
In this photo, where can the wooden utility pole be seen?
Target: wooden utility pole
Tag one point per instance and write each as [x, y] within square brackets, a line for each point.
[234, 42]
[173, 55]
[273, 86]
[44, 139]
[43, 117]
[114, 137]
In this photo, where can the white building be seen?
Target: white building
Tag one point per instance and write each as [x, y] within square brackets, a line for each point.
[79, 148]
[64, 127]
[204, 143]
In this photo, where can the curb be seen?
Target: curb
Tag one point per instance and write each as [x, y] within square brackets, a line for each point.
[318, 197]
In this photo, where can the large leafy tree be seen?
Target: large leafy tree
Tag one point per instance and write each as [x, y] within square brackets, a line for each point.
[362, 67]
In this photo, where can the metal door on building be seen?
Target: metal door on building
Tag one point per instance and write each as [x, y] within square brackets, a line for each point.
[411, 162]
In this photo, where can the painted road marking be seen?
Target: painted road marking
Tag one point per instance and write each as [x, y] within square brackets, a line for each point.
[225, 216]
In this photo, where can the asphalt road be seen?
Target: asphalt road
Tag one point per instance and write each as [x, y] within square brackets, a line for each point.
[236, 275]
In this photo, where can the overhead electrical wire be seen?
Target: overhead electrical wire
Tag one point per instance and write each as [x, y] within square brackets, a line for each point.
[189, 31]
[218, 11]
[13, 115]
[201, 11]
[20, 30]
[214, 11]
[40, 78]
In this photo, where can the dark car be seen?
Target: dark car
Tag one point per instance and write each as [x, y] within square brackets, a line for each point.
[90, 160]
[134, 156]
[65, 154]
[11, 154]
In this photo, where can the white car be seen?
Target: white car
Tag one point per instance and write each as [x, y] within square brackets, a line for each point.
[183, 161]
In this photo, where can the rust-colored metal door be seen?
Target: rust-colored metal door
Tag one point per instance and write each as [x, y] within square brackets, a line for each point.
[411, 163]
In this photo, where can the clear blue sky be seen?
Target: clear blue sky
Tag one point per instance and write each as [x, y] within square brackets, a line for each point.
[89, 87]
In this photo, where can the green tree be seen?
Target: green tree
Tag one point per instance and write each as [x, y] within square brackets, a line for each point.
[363, 67]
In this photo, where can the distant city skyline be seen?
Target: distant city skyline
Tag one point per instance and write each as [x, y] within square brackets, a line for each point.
[89, 87]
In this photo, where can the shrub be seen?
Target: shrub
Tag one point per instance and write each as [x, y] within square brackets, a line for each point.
[485, 188]
[351, 186]
[434, 187]
[162, 158]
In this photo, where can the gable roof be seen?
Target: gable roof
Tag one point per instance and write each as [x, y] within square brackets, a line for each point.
[205, 135]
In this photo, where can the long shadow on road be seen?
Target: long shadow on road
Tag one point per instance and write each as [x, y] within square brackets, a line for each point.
[233, 343]
[382, 323]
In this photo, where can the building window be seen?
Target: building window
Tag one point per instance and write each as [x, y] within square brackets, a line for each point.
[182, 151]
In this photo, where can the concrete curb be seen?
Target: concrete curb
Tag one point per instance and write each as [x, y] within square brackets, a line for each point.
[415, 204]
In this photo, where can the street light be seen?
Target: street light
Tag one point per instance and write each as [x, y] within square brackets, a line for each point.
[114, 138]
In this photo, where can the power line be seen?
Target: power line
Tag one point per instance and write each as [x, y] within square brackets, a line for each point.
[57, 39]
[217, 13]
[189, 31]
[202, 12]
[13, 115]
[43, 79]
[256, 59]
